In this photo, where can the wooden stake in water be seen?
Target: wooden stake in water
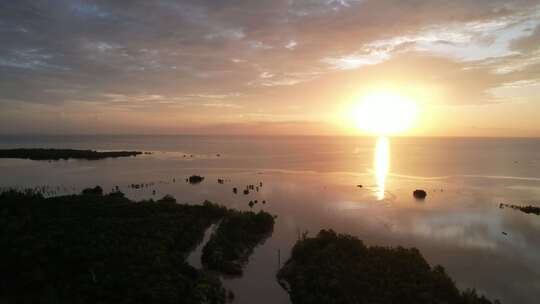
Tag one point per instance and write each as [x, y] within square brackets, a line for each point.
[278, 259]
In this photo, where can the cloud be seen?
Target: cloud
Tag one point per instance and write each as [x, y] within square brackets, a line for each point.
[222, 105]
[357, 60]
[28, 59]
[164, 54]
[530, 42]
[291, 45]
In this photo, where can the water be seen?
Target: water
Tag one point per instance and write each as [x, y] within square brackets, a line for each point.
[311, 183]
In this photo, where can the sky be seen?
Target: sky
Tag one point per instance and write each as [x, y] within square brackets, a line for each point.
[272, 67]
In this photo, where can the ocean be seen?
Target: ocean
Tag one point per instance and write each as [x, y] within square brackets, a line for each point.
[357, 185]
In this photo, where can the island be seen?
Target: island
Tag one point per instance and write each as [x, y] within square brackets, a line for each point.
[195, 179]
[229, 248]
[338, 268]
[529, 209]
[105, 248]
[63, 154]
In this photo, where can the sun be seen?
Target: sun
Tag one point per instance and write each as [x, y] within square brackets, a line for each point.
[384, 113]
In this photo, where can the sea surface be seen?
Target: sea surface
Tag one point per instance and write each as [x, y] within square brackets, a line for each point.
[313, 183]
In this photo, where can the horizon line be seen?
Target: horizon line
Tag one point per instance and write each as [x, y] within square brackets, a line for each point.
[263, 135]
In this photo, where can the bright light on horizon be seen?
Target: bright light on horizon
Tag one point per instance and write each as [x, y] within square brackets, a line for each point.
[385, 113]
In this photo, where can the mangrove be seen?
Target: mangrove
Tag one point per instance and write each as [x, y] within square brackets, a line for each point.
[195, 179]
[419, 194]
[63, 154]
[105, 248]
[338, 268]
[238, 234]
[529, 209]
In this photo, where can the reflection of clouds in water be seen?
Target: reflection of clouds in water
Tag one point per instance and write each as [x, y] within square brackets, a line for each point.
[385, 222]
[290, 222]
[463, 229]
[351, 205]
[532, 189]
[522, 231]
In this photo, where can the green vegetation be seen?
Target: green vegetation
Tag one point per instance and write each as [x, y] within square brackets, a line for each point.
[58, 154]
[96, 248]
[338, 268]
[230, 246]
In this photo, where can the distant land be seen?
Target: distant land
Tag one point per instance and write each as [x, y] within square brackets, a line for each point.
[58, 154]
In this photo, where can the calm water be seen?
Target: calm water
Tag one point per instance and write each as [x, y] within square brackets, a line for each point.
[311, 183]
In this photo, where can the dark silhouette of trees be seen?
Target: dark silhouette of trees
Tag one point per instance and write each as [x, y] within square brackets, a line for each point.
[97, 190]
[339, 268]
[525, 209]
[238, 234]
[195, 179]
[58, 154]
[105, 248]
[419, 194]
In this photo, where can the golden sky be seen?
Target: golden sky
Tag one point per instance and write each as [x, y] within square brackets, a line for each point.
[268, 67]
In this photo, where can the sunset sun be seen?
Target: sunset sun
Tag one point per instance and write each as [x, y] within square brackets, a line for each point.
[384, 113]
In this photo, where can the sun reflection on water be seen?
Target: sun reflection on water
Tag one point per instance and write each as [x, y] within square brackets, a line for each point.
[381, 165]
